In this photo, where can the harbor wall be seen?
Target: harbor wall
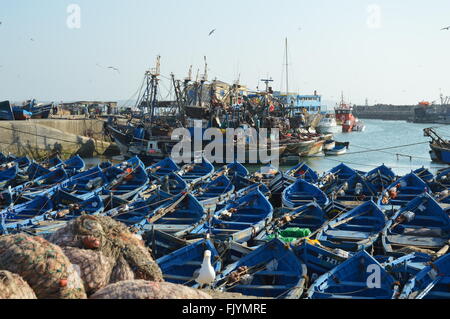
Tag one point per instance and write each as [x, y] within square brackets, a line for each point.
[385, 112]
[37, 138]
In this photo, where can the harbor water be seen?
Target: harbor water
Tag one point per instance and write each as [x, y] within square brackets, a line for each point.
[378, 135]
[374, 146]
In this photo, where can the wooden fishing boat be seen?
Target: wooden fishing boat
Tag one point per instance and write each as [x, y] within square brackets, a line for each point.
[13, 215]
[180, 266]
[422, 224]
[244, 185]
[66, 208]
[337, 150]
[340, 173]
[403, 190]
[196, 172]
[163, 167]
[355, 230]
[232, 169]
[303, 171]
[432, 282]
[241, 219]
[161, 243]
[319, 259]
[126, 180]
[352, 280]
[209, 194]
[171, 183]
[443, 178]
[42, 184]
[74, 165]
[425, 175]
[7, 175]
[295, 224]
[406, 267]
[272, 270]
[177, 216]
[132, 213]
[22, 162]
[355, 189]
[381, 177]
[301, 193]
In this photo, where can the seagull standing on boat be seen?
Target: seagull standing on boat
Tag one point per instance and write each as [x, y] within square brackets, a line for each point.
[206, 274]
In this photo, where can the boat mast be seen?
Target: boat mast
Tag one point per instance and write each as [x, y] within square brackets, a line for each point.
[287, 71]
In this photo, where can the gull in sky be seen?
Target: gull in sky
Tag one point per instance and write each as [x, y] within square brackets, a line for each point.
[212, 31]
[446, 28]
[114, 68]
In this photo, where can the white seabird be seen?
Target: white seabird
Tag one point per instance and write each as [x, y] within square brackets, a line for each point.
[206, 274]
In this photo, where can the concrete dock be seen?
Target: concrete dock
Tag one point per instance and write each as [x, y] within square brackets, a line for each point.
[36, 138]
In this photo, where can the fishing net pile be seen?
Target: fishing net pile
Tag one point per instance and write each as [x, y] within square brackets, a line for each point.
[44, 267]
[105, 252]
[142, 289]
[12, 286]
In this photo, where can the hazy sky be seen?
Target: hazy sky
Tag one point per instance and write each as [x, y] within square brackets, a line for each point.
[389, 51]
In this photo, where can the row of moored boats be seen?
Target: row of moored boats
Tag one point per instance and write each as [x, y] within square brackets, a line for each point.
[294, 234]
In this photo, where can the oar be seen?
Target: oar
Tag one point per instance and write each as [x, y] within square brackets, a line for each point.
[159, 214]
[424, 292]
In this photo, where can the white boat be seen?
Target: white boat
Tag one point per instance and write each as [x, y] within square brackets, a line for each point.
[328, 125]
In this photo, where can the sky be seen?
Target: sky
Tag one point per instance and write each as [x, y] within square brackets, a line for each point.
[387, 51]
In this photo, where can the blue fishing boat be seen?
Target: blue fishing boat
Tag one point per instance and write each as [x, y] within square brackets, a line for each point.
[7, 175]
[272, 177]
[355, 230]
[355, 189]
[432, 282]
[23, 212]
[403, 190]
[381, 177]
[66, 207]
[171, 183]
[443, 178]
[196, 172]
[132, 213]
[244, 185]
[162, 168]
[161, 243]
[352, 279]
[181, 266]
[422, 223]
[240, 220]
[303, 171]
[177, 216]
[337, 150]
[319, 259]
[74, 165]
[272, 270]
[425, 175]
[301, 193]
[407, 266]
[233, 169]
[213, 192]
[126, 180]
[295, 224]
[83, 183]
[342, 172]
[43, 183]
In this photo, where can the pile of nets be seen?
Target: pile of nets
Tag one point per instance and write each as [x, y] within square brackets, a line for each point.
[44, 267]
[105, 251]
[142, 289]
[12, 286]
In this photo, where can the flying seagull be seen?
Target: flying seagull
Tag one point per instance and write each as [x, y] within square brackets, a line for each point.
[31, 39]
[446, 28]
[113, 68]
[212, 31]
